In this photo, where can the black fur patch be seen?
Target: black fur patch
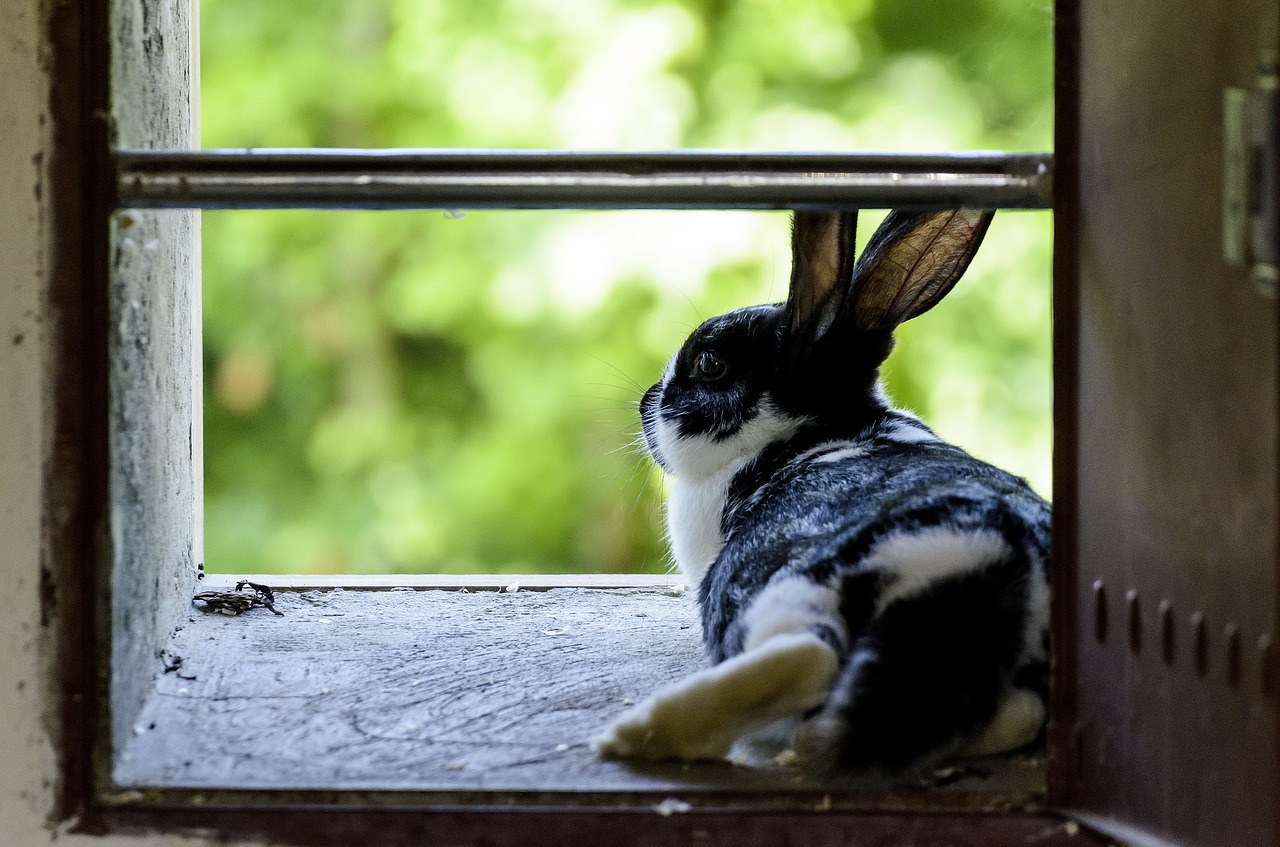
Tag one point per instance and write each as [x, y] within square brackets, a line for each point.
[932, 668]
[746, 341]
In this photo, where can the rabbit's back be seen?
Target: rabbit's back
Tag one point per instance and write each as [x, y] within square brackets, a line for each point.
[816, 508]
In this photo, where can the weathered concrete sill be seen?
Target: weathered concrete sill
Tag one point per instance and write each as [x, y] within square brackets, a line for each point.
[451, 690]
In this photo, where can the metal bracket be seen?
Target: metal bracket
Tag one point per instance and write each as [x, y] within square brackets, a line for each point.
[1250, 128]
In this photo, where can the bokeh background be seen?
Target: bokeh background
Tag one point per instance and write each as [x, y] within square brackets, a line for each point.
[430, 392]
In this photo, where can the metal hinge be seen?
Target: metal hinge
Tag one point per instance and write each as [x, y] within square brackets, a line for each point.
[1249, 186]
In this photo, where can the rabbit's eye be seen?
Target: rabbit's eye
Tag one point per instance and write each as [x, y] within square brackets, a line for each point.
[708, 366]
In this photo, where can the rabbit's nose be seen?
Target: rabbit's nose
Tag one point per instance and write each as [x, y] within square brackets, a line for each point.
[651, 398]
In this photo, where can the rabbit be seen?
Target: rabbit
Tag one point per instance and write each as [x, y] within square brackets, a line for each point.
[876, 592]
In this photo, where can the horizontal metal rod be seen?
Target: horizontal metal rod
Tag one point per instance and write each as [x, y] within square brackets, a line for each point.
[554, 179]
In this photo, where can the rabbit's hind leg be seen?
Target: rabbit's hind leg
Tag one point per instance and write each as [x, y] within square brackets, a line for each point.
[701, 716]
[929, 678]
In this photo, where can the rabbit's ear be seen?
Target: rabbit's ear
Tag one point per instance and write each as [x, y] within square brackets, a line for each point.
[822, 245]
[911, 262]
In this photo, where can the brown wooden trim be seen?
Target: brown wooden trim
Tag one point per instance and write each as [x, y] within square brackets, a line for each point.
[1273, 667]
[1066, 334]
[705, 798]
[498, 828]
[75, 499]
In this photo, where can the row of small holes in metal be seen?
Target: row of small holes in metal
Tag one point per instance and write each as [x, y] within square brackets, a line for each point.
[1168, 637]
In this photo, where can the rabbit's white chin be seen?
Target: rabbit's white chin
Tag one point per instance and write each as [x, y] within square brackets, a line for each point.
[702, 468]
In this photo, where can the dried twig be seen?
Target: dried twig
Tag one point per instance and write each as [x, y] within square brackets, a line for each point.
[238, 601]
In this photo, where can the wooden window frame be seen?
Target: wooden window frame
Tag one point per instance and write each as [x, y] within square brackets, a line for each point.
[76, 575]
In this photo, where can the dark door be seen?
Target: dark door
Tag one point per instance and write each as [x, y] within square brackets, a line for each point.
[1167, 423]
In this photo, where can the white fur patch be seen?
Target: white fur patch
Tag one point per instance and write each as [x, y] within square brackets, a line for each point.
[701, 469]
[701, 716]
[845, 453]
[1038, 619]
[919, 559]
[831, 451]
[792, 605]
[693, 521]
[907, 432]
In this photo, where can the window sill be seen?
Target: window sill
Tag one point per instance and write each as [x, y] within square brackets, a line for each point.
[425, 693]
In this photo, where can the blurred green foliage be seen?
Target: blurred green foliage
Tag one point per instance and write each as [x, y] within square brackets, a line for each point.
[399, 392]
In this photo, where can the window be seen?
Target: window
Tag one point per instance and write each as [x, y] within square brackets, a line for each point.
[154, 530]
[506, 705]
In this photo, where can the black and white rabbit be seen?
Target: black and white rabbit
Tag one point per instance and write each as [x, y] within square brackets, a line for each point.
[882, 589]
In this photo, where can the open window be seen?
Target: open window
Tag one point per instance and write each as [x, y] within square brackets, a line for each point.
[1165, 575]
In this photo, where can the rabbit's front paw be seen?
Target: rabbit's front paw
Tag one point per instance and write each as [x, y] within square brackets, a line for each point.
[656, 729]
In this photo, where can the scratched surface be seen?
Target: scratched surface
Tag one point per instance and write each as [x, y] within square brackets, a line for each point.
[156, 485]
[443, 691]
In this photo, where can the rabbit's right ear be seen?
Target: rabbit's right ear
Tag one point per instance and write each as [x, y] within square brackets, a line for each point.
[822, 245]
[911, 262]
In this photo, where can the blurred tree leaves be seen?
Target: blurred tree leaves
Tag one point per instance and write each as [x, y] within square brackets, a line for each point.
[426, 392]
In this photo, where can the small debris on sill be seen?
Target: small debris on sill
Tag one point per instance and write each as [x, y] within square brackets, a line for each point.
[561, 748]
[561, 631]
[456, 765]
[672, 806]
[200, 571]
[825, 805]
[1071, 828]
[512, 588]
[173, 664]
[239, 601]
[787, 759]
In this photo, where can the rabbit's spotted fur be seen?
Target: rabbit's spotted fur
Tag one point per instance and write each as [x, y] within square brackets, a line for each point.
[879, 588]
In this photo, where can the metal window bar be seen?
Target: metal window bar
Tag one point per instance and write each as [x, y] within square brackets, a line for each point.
[554, 179]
